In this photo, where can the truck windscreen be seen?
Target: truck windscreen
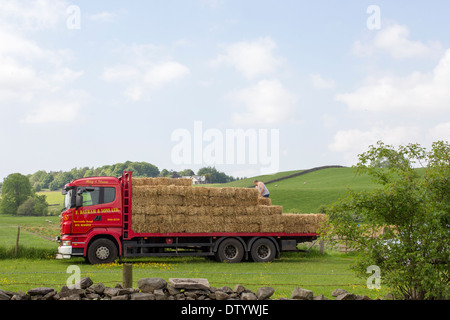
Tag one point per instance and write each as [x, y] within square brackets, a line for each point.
[68, 199]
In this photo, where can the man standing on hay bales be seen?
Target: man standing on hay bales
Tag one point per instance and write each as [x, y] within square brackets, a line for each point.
[262, 189]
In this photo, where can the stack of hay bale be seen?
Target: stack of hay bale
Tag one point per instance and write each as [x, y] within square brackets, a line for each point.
[163, 205]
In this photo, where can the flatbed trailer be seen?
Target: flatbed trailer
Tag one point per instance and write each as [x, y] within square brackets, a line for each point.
[96, 224]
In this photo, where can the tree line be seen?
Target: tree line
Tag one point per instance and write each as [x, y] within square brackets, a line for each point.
[18, 191]
[55, 180]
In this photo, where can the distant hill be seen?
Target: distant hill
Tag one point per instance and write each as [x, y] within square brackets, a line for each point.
[305, 191]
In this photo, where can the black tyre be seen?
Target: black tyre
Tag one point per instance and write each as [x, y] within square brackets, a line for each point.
[102, 251]
[230, 250]
[263, 250]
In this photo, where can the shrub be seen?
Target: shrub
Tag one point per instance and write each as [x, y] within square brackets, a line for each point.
[402, 227]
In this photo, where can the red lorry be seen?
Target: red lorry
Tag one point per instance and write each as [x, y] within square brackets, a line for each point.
[96, 225]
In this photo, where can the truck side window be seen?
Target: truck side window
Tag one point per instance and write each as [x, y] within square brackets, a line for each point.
[110, 194]
[100, 195]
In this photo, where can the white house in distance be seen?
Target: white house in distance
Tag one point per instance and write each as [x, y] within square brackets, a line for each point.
[196, 179]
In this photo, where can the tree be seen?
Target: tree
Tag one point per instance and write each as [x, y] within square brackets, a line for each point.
[16, 190]
[37, 177]
[214, 176]
[186, 173]
[34, 206]
[60, 180]
[403, 226]
[46, 181]
[164, 173]
[143, 169]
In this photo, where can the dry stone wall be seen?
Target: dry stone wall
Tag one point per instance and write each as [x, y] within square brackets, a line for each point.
[160, 289]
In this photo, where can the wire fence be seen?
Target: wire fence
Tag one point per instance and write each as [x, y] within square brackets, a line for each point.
[117, 278]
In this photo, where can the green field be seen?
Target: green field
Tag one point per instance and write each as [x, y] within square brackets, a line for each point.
[249, 181]
[306, 193]
[322, 274]
[53, 197]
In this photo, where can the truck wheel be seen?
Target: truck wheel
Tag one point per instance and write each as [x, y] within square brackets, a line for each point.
[230, 250]
[102, 251]
[263, 250]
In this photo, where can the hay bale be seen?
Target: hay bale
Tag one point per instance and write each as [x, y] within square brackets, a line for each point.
[196, 196]
[161, 181]
[153, 223]
[270, 210]
[161, 205]
[222, 192]
[138, 223]
[169, 200]
[271, 223]
[222, 201]
[302, 223]
[173, 190]
[205, 223]
[172, 223]
[218, 211]
[252, 211]
[196, 211]
[246, 196]
[242, 224]
[145, 191]
[262, 201]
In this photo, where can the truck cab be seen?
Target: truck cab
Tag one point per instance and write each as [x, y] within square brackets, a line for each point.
[92, 209]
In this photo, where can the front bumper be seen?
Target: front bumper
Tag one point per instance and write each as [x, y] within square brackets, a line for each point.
[64, 252]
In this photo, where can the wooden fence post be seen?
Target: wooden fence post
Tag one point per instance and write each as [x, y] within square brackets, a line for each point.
[127, 279]
[322, 246]
[17, 241]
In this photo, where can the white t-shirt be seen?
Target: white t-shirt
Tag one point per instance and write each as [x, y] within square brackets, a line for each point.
[265, 192]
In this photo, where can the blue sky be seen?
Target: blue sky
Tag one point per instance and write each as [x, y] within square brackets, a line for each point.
[89, 83]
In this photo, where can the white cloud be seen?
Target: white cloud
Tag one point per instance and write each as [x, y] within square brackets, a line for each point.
[394, 40]
[32, 15]
[165, 72]
[417, 92]
[33, 78]
[149, 71]
[251, 58]
[267, 102]
[319, 82]
[352, 142]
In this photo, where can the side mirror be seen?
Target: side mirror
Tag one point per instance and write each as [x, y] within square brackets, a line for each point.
[78, 201]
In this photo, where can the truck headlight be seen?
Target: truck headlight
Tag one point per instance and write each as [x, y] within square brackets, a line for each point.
[66, 243]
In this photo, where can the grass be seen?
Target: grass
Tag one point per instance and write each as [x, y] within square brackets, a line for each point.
[307, 193]
[247, 182]
[321, 274]
[53, 197]
[55, 201]
[34, 237]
